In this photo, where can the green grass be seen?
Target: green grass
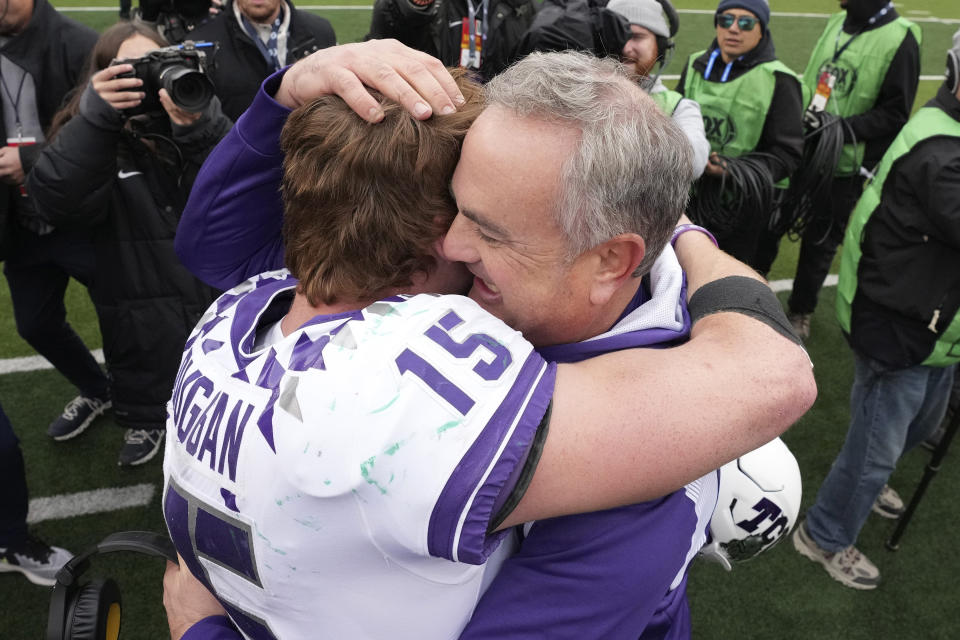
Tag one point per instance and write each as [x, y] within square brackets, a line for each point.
[778, 595]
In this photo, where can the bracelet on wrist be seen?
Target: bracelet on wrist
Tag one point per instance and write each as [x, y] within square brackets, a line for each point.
[683, 228]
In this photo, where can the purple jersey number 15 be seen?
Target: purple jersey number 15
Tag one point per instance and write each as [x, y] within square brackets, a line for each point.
[487, 369]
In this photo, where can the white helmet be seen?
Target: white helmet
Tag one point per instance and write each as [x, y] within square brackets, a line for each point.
[757, 505]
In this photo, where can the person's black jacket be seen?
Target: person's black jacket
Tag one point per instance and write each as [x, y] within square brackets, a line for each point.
[910, 265]
[53, 50]
[782, 133]
[239, 67]
[437, 28]
[582, 25]
[132, 187]
[878, 126]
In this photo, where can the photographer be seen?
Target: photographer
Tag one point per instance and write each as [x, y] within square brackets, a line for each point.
[129, 176]
[255, 39]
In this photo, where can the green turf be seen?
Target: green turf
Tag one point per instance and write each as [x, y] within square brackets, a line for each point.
[778, 595]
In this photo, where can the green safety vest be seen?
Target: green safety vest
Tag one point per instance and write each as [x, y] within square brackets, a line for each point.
[667, 100]
[927, 123]
[860, 71]
[734, 112]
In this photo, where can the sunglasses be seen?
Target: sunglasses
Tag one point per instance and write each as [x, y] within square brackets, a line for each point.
[746, 23]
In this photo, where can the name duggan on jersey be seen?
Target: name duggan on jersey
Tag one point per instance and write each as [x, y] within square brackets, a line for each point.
[210, 423]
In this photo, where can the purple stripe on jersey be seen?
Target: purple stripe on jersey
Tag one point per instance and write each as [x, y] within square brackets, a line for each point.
[226, 301]
[324, 318]
[475, 545]
[211, 345]
[210, 324]
[265, 421]
[249, 309]
[308, 354]
[582, 350]
[229, 500]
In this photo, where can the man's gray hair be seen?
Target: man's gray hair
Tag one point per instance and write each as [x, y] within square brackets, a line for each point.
[630, 172]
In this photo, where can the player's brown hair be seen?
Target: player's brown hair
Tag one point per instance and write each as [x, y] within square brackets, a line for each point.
[364, 203]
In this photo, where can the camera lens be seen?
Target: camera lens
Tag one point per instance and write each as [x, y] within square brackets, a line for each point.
[188, 88]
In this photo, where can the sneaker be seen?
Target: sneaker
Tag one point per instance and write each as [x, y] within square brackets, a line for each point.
[849, 567]
[35, 559]
[139, 446]
[77, 416]
[888, 504]
[801, 324]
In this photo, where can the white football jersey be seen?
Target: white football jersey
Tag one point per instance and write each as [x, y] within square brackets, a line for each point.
[339, 483]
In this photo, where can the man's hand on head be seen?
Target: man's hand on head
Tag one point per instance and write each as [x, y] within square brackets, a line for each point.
[186, 600]
[416, 80]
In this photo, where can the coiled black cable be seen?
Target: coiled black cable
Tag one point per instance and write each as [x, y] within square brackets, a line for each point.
[744, 193]
[809, 192]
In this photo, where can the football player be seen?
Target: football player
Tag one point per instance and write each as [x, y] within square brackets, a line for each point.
[416, 421]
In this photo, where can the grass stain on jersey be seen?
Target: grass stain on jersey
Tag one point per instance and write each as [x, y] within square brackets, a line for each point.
[365, 472]
[266, 541]
[310, 522]
[448, 426]
[394, 448]
[386, 406]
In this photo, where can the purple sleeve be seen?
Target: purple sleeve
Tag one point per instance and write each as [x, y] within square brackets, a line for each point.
[231, 227]
[596, 575]
[213, 628]
[486, 477]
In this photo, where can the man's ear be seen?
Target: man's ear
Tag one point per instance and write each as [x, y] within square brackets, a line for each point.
[615, 262]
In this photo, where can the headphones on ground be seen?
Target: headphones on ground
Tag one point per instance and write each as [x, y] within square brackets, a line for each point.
[953, 65]
[91, 610]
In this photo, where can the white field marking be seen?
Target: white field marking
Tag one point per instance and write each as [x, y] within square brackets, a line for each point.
[787, 285]
[71, 505]
[369, 7]
[35, 363]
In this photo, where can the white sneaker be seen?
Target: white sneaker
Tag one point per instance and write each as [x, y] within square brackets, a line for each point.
[848, 567]
[35, 559]
[888, 504]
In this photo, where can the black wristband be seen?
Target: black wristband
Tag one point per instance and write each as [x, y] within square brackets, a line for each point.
[741, 294]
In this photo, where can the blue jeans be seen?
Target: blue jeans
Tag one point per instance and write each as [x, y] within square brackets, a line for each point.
[891, 411]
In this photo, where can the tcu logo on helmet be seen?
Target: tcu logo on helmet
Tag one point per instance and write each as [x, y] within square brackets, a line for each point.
[758, 504]
[759, 536]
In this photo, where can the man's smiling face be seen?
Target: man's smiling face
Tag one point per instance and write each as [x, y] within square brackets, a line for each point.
[507, 186]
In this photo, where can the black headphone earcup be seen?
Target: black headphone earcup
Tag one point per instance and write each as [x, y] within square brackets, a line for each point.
[95, 612]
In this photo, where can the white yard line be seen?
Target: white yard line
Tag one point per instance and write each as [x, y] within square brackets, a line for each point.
[787, 285]
[71, 505]
[35, 363]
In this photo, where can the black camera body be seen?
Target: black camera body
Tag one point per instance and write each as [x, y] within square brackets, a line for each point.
[180, 70]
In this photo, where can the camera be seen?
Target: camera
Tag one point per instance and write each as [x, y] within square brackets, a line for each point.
[180, 70]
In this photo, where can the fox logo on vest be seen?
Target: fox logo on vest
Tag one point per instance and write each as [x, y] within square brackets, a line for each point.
[846, 77]
[719, 127]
